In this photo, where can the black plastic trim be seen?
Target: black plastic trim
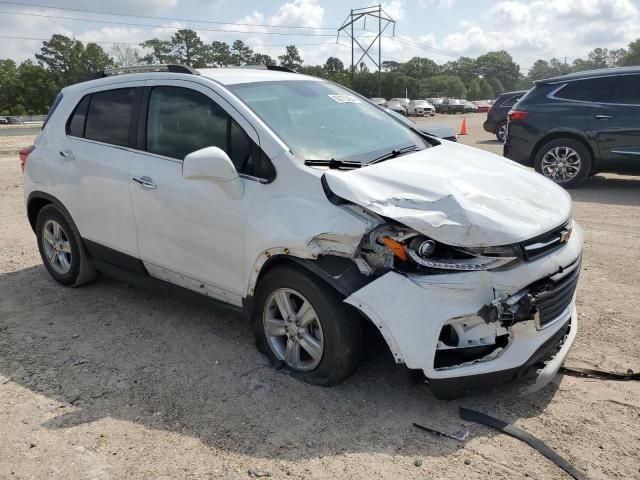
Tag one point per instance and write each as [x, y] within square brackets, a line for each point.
[113, 257]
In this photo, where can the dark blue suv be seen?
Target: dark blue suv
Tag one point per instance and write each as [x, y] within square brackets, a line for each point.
[496, 121]
[576, 125]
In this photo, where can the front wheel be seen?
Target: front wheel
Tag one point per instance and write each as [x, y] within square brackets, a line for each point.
[302, 324]
[565, 161]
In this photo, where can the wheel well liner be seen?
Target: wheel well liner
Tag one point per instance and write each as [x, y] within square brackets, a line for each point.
[37, 200]
[340, 273]
[555, 136]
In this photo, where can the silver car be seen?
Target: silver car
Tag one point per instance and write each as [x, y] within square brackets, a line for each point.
[420, 108]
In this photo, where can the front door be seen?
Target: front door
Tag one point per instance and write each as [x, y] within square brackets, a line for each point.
[190, 232]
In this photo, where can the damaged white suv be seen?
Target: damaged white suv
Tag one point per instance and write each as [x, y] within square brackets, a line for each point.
[313, 211]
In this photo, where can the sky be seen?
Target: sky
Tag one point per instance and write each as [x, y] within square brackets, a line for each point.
[441, 30]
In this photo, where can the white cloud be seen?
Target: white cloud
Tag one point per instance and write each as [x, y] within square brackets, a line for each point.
[442, 4]
[395, 9]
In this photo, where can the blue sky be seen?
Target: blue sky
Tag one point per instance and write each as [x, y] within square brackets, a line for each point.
[437, 29]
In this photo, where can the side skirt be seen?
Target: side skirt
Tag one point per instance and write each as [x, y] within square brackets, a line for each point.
[130, 270]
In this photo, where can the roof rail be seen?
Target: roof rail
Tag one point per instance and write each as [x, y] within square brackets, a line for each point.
[276, 68]
[172, 68]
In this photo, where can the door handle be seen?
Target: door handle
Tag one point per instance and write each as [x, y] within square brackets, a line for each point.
[603, 117]
[67, 154]
[145, 183]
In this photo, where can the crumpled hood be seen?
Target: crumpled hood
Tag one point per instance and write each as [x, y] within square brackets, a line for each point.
[457, 195]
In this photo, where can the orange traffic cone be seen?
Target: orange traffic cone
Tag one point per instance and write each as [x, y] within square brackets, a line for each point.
[463, 127]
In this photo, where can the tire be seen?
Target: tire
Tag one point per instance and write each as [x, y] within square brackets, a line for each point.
[571, 158]
[54, 228]
[335, 324]
[501, 132]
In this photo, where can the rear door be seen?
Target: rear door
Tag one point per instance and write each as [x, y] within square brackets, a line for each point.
[91, 169]
[616, 124]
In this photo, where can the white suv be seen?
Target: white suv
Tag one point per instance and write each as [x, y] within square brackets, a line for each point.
[314, 212]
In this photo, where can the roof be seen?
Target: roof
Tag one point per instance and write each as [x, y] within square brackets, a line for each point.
[603, 72]
[231, 76]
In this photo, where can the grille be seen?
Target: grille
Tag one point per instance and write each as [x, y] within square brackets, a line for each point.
[553, 301]
[547, 242]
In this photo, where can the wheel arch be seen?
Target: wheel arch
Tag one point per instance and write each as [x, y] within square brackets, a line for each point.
[339, 273]
[38, 200]
[563, 134]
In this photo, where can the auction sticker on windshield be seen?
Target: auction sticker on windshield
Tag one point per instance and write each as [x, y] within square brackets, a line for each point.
[345, 98]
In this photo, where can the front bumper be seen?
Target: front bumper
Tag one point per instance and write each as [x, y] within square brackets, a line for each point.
[411, 310]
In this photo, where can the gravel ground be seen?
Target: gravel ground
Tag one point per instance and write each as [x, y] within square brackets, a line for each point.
[108, 381]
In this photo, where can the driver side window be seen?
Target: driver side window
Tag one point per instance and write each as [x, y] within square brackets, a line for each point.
[181, 121]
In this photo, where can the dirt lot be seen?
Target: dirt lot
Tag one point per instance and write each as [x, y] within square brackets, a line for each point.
[109, 381]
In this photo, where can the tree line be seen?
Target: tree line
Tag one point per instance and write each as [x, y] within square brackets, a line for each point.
[30, 87]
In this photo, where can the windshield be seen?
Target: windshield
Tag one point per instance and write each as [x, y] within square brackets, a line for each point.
[322, 121]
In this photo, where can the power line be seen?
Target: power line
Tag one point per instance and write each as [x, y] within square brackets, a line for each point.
[11, 37]
[42, 15]
[83, 10]
[424, 47]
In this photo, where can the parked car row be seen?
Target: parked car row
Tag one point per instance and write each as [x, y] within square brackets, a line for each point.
[11, 120]
[407, 107]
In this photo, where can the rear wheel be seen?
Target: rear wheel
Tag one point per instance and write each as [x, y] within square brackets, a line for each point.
[501, 132]
[565, 161]
[61, 249]
[300, 323]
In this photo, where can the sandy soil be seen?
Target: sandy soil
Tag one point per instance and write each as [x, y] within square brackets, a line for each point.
[108, 381]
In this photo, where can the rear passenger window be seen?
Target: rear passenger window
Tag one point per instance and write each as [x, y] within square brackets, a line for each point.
[181, 121]
[511, 101]
[75, 127]
[590, 90]
[627, 91]
[109, 116]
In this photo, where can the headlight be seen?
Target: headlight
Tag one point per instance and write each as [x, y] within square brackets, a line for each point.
[409, 246]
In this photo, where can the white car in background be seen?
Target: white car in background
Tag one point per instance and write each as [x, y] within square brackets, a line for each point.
[313, 212]
[420, 108]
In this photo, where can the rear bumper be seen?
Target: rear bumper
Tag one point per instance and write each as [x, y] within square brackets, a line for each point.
[518, 149]
[489, 126]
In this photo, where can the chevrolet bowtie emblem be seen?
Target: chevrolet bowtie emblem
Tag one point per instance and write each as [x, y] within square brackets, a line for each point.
[565, 235]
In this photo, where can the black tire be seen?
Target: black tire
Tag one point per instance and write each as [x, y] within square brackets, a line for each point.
[80, 269]
[584, 156]
[501, 132]
[341, 329]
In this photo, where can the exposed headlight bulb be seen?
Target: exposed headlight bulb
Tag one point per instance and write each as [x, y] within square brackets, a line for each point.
[424, 247]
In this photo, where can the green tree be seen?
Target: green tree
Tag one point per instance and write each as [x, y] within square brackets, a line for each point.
[419, 67]
[390, 66]
[262, 59]
[498, 65]
[38, 88]
[464, 68]
[70, 60]
[125, 55]
[240, 54]
[333, 65]
[220, 54]
[188, 49]
[447, 85]
[160, 51]
[291, 58]
[632, 56]
[10, 86]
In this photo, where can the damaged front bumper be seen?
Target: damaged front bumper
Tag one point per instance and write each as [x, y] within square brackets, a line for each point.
[471, 329]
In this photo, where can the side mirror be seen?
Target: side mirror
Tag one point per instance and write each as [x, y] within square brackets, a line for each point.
[212, 163]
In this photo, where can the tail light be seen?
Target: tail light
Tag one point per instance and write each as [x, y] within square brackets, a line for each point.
[517, 115]
[24, 153]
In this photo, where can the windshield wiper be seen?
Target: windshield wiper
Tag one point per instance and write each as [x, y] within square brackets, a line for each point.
[333, 163]
[394, 154]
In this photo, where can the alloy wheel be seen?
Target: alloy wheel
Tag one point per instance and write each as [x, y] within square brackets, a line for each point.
[561, 164]
[293, 329]
[56, 246]
[502, 132]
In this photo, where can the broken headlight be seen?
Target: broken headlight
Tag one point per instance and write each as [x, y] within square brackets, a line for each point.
[413, 249]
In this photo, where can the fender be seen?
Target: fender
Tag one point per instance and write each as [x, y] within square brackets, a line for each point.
[37, 200]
